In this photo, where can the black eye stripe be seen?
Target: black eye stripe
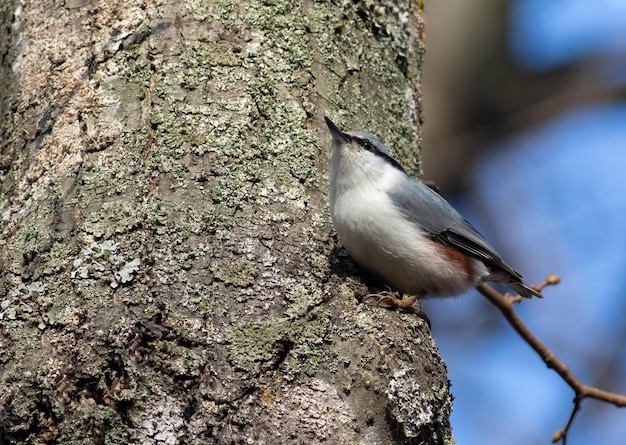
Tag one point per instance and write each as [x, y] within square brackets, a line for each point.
[367, 145]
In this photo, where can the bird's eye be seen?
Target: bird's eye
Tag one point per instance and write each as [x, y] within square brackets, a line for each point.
[368, 146]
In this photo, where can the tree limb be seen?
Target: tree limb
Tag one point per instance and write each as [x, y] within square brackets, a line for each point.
[504, 303]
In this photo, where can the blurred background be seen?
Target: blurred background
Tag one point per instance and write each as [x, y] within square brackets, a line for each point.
[525, 133]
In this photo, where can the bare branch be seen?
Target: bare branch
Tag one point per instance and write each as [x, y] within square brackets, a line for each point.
[504, 303]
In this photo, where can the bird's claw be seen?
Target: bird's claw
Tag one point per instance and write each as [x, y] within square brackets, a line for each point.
[392, 302]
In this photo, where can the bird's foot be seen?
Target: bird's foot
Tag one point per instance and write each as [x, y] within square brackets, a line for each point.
[390, 301]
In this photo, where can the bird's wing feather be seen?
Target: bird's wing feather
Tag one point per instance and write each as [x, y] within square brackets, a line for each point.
[431, 212]
[476, 250]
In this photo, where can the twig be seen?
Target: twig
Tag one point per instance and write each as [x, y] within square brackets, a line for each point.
[504, 303]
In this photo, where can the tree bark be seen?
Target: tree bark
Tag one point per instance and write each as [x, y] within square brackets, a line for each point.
[169, 269]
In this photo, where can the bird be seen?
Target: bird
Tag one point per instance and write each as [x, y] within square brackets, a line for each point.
[399, 229]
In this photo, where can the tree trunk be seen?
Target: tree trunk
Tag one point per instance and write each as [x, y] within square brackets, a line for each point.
[169, 269]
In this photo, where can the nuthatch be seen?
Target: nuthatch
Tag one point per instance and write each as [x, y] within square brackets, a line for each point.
[399, 229]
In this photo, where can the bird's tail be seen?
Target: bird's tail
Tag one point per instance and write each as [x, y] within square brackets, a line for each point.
[524, 290]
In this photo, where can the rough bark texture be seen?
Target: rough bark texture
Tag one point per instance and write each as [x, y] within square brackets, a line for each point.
[169, 269]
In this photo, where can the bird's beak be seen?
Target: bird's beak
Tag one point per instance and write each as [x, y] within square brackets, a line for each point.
[338, 135]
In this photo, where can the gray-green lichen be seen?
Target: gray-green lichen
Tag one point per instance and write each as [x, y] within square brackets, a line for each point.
[29, 302]
[299, 342]
[100, 261]
[239, 272]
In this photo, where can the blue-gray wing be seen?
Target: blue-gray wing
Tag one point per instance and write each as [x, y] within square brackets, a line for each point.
[431, 212]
